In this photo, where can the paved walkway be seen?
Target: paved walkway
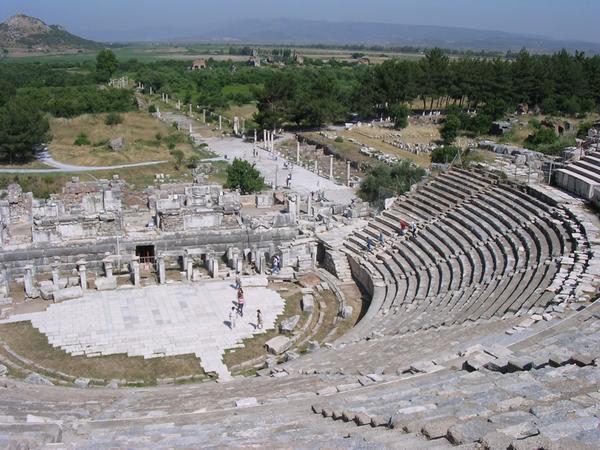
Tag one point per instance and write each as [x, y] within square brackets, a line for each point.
[157, 321]
[303, 181]
[44, 157]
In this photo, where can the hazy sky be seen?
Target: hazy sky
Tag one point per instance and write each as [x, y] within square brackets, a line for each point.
[156, 19]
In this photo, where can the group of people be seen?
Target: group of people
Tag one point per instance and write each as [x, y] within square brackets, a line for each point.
[412, 230]
[238, 310]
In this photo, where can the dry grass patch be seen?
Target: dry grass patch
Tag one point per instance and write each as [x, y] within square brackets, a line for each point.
[254, 346]
[28, 342]
[139, 131]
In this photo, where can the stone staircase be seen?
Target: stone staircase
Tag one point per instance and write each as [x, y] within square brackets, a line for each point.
[337, 263]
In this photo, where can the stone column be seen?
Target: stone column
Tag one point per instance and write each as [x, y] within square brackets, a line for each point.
[157, 112]
[108, 268]
[313, 254]
[214, 267]
[297, 152]
[189, 269]
[55, 274]
[190, 129]
[262, 264]
[255, 136]
[82, 274]
[331, 167]
[190, 109]
[348, 173]
[243, 125]
[309, 205]
[265, 139]
[204, 116]
[162, 274]
[28, 281]
[151, 92]
[135, 270]
[317, 166]
[220, 123]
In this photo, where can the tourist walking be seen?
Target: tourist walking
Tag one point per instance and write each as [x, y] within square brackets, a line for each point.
[259, 319]
[240, 302]
[232, 317]
[369, 245]
[238, 281]
[381, 238]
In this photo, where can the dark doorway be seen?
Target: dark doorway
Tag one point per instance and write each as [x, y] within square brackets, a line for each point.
[145, 253]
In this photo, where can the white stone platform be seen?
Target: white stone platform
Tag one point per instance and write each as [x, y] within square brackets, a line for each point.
[168, 320]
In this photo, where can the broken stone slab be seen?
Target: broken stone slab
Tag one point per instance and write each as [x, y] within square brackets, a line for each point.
[376, 378]
[380, 421]
[290, 356]
[329, 390]
[106, 284]
[116, 144]
[497, 365]
[438, 428]
[82, 382]
[477, 360]
[581, 360]
[288, 325]
[47, 290]
[534, 442]
[496, 441]
[308, 303]
[423, 367]
[36, 378]
[470, 431]
[327, 412]
[69, 293]
[347, 387]
[278, 345]
[362, 419]
[558, 359]
[246, 402]
[519, 364]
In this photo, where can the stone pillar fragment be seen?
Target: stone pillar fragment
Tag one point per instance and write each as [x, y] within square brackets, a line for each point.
[55, 275]
[162, 274]
[331, 167]
[297, 152]
[82, 274]
[220, 123]
[135, 271]
[108, 268]
[348, 173]
[28, 281]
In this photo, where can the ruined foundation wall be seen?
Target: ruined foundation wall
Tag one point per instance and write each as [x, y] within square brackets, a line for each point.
[217, 242]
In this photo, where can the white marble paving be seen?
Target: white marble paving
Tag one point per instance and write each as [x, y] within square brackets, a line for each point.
[157, 321]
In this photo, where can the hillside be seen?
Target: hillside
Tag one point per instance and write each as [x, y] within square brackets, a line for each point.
[27, 33]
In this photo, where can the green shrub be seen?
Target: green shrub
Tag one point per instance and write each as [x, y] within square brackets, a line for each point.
[82, 139]
[113, 118]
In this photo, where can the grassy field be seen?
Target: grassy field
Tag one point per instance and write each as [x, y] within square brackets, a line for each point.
[28, 342]
[42, 185]
[151, 52]
[146, 139]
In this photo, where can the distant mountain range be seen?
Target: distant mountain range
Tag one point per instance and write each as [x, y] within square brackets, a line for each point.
[32, 34]
[293, 31]
[23, 32]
